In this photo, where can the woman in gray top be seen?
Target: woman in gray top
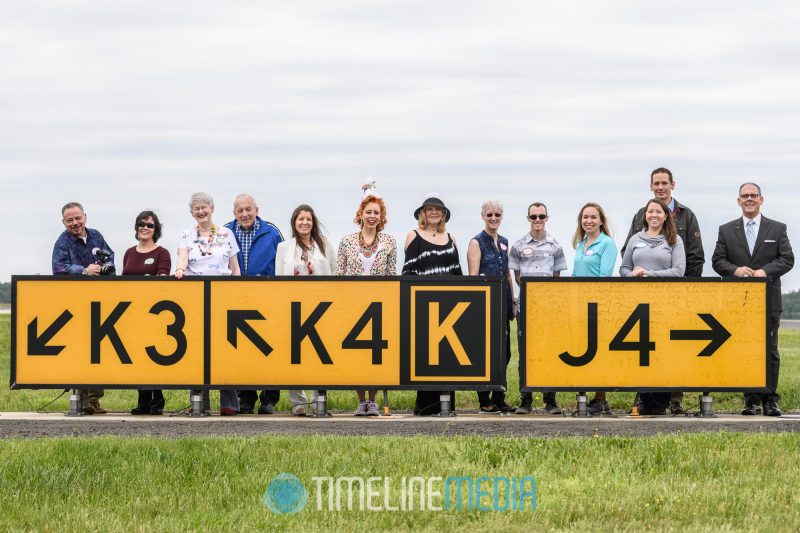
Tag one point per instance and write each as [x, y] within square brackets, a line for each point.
[657, 252]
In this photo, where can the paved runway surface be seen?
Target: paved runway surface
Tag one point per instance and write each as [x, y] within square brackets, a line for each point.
[32, 425]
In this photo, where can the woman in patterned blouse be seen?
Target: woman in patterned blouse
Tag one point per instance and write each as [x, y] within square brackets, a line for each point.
[368, 252]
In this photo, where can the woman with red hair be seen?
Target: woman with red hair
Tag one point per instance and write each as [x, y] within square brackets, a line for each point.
[368, 252]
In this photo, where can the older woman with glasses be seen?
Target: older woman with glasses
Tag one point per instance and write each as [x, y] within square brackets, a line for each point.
[208, 249]
[147, 259]
[487, 255]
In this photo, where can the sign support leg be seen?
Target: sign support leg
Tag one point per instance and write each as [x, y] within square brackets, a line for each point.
[386, 410]
[706, 406]
[321, 409]
[196, 398]
[444, 400]
[75, 404]
[582, 402]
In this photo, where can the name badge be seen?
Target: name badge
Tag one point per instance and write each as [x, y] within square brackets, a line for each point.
[527, 251]
[149, 261]
[589, 252]
[640, 245]
[503, 247]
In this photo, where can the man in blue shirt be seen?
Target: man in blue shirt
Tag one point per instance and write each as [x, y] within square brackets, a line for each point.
[258, 243]
[76, 252]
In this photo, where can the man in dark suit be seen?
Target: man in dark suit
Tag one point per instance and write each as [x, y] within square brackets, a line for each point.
[754, 245]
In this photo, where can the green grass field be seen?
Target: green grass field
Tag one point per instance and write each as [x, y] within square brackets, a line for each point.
[123, 400]
[699, 482]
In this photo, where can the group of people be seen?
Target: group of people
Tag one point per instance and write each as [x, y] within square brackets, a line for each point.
[664, 240]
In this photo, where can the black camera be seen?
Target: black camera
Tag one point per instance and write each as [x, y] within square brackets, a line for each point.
[103, 259]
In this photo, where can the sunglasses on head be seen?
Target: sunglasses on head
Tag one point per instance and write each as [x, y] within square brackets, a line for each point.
[534, 217]
[494, 215]
[149, 225]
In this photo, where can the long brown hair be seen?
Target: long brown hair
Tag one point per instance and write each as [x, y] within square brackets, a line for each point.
[668, 229]
[316, 232]
[580, 233]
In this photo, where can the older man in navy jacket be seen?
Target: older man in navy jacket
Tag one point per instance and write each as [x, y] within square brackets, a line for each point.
[258, 242]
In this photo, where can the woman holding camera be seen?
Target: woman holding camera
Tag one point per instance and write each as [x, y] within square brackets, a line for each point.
[147, 259]
[208, 250]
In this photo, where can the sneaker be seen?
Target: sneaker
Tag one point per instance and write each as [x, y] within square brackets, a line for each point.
[372, 409]
[677, 409]
[266, 409]
[227, 411]
[490, 409]
[299, 410]
[598, 407]
[505, 408]
[552, 409]
[524, 409]
[361, 410]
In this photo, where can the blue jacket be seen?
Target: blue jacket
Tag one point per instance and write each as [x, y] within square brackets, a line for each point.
[71, 255]
[261, 261]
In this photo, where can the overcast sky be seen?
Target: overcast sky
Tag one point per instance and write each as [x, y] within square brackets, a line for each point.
[125, 106]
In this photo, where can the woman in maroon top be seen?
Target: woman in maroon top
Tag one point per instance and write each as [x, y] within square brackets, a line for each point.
[147, 259]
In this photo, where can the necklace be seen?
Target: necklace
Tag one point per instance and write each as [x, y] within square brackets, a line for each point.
[367, 250]
[203, 246]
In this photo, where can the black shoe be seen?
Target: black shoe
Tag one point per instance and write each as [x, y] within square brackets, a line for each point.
[751, 409]
[598, 407]
[524, 409]
[156, 411]
[552, 409]
[140, 410]
[266, 409]
[245, 409]
[677, 409]
[772, 409]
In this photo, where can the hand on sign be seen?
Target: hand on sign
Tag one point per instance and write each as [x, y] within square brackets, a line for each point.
[760, 273]
[744, 272]
[638, 272]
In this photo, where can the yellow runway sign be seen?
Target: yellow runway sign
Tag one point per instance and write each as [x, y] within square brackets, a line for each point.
[317, 332]
[582, 334]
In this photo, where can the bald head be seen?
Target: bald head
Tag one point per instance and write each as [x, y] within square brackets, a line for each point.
[245, 210]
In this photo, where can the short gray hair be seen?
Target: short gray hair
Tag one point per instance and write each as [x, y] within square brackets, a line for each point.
[245, 196]
[201, 198]
[70, 205]
[492, 204]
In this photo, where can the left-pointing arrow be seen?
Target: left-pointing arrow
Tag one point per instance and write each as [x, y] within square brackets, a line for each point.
[237, 321]
[37, 344]
[717, 334]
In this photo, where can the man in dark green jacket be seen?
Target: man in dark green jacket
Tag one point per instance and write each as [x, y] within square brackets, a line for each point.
[662, 185]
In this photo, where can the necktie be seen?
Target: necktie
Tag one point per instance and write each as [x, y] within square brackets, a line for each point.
[750, 233]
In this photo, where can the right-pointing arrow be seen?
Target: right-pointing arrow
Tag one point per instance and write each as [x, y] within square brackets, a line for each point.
[717, 334]
[37, 344]
[237, 321]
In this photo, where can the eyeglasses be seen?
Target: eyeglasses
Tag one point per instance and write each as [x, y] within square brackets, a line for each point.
[753, 195]
[149, 225]
[494, 215]
[534, 217]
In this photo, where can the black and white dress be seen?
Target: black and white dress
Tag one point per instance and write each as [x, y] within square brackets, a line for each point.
[424, 258]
